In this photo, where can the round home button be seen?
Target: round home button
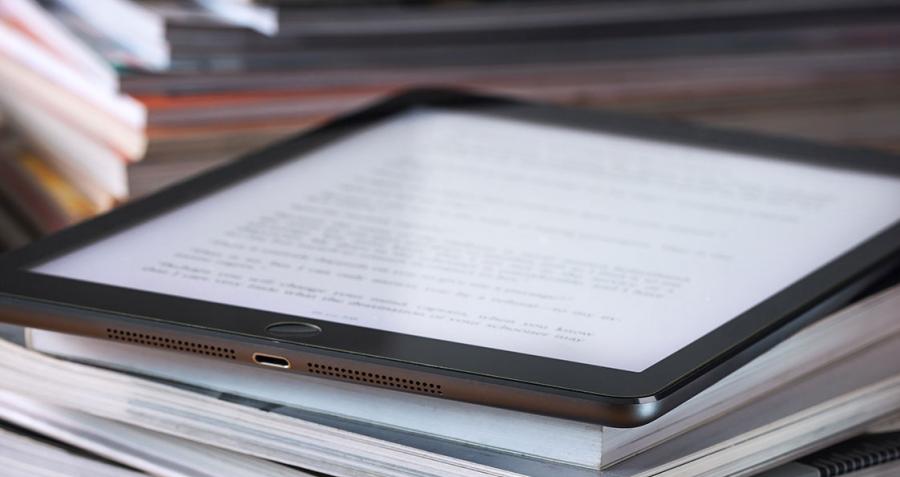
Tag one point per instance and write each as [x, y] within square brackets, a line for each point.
[293, 330]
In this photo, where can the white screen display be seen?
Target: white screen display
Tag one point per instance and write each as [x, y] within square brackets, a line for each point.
[581, 246]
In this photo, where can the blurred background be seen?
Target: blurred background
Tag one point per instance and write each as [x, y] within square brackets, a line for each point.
[103, 101]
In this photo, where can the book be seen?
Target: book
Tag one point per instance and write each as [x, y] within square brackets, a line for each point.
[219, 69]
[74, 205]
[39, 194]
[62, 100]
[225, 425]
[134, 447]
[124, 32]
[260, 18]
[36, 77]
[809, 389]
[30, 18]
[23, 191]
[23, 455]
[99, 172]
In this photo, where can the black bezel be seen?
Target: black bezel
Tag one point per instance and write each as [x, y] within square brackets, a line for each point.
[18, 285]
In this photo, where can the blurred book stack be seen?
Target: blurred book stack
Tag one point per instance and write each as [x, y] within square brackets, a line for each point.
[824, 70]
[70, 133]
[219, 78]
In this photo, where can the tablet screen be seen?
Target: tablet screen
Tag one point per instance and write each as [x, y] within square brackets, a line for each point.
[568, 244]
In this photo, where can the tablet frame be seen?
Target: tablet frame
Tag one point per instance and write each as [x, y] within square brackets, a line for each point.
[451, 370]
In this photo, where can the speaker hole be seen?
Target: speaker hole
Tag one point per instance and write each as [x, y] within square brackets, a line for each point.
[356, 375]
[171, 344]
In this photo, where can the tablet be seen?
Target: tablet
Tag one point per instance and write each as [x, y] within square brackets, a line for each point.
[573, 263]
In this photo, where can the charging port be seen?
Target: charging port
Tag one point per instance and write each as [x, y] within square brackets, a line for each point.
[269, 360]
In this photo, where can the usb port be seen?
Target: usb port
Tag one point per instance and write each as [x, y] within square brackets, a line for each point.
[269, 360]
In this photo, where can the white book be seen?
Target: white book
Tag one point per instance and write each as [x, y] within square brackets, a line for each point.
[22, 50]
[23, 85]
[148, 451]
[224, 425]
[263, 19]
[776, 387]
[55, 37]
[123, 23]
[297, 442]
[33, 75]
[23, 456]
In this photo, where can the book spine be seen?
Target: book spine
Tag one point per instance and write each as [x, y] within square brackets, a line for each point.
[86, 162]
[58, 189]
[129, 143]
[29, 198]
[16, 47]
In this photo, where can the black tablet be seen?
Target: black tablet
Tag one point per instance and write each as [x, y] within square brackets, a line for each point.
[573, 263]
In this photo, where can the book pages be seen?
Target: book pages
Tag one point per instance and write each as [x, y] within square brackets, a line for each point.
[157, 454]
[220, 424]
[23, 456]
[422, 417]
[829, 341]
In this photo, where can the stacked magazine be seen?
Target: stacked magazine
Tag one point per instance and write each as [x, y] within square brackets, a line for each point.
[114, 408]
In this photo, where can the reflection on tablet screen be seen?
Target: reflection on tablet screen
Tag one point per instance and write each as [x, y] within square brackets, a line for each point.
[574, 245]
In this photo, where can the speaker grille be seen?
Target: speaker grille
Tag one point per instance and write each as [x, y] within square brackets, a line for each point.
[170, 343]
[374, 378]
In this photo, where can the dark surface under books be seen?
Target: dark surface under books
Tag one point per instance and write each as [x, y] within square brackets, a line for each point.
[856, 454]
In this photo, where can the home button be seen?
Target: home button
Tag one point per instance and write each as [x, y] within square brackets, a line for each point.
[293, 329]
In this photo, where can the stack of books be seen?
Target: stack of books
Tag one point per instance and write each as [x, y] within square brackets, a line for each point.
[165, 413]
[75, 133]
[133, 34]
[69, 134]
[222, 77]
[821, 70]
